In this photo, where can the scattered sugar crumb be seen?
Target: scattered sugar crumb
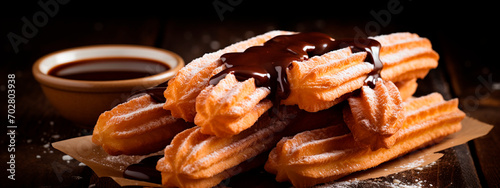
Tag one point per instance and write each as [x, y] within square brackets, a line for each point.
[38, 156]
[82, 164]
[51, 123]
[67, 158]
[47, 145]
[430, 164]
[56, 136]
[378, 182]
[29, 141]
[413, 164]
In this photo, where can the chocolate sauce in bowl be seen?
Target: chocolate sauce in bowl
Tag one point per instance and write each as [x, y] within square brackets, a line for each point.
[108, 69]
[267, 64]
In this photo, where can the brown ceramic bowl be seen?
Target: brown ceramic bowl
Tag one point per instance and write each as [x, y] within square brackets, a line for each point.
[83, 101]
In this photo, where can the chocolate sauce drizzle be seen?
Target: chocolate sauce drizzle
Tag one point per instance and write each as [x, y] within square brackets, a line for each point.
[372, 48]
[267, 64]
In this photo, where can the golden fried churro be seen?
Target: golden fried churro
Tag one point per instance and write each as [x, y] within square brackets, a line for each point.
[137, 127]
[406, 56]
[323, 81]
[407, 88]
[324, 155]
[183, 89]
[230, 107]
[194, 159]
[319, 83]
[375, 115]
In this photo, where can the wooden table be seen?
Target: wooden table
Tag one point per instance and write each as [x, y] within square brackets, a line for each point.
[192, 29]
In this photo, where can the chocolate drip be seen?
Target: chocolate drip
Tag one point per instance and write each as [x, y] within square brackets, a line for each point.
[267, 64]
[372, 48]
[155, 92]
[145, 170]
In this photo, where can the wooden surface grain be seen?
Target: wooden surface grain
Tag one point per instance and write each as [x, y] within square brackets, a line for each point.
[466, 71]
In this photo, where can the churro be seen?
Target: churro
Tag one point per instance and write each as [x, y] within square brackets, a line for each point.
[319, 82]
[183, 89]
[324, 155]
[194, 159]
[230, 107]
[375, 115]
[137, 127]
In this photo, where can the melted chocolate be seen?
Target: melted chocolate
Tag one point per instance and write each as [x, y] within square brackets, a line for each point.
[108, 69]
[372, 48]
[267, 64]
[145, 170]
[155, 92]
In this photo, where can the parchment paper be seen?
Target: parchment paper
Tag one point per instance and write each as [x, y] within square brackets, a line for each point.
[104, 165]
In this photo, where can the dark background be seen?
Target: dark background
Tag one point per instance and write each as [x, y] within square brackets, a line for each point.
[468, 24]
[464, 33]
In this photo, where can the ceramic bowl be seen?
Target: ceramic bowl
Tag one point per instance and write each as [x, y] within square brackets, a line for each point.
[83, 101]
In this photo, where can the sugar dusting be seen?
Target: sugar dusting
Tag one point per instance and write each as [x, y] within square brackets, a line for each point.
[395, 183]
[413, 164]
[119, 162]
[389, 181]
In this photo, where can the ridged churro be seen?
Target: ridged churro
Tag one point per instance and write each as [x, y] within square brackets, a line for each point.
[324, 155]
[194, 159]
[375, 115]
[406, 56]
[407, 88]
[183, 89]
[137, 127]
[230, 107]
[318, 83]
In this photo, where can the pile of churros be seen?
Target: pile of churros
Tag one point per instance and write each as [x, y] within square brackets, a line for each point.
[311, 108]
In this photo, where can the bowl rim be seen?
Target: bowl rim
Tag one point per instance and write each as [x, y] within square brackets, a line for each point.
[105, 86]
